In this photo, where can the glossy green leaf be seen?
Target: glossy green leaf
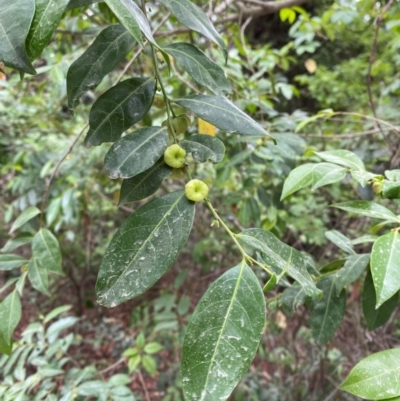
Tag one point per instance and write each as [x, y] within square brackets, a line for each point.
[194, 18]
[15, 20]
[220, 112]
[280, 256]
[369, 209]
[48, 14]
[204, 148]
[144, 184]
[223, 335]
[327, 173]
[333, 266]
[46, 251]
[4, 347]
[144, 248]
[136, 152]
[200, 67]
[81, 3]
[340, 240]
[10, 261]
[292, 298]
[393, 175]
[376, 317]
[327, 313]
[109, 48]
[385, 266]
[38, 276]
[364, 239]
[270, 284]
[351, 271]
[28, 214]
[343, 158]
[376, 376]
[362, 177]
[118, 109]
[10, 315]
[391, 190]
[16, 242]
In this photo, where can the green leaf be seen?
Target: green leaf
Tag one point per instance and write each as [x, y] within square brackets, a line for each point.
[327, 314]
[56, 312]
[340, 240]
[48, 14]
[28, 214]
[153, 348]
[391, 190]
[118, 109]
[46, 251]
[351, 271]
[362, 177]
[10, 261]
[134, 362]
[81, 3]
[136, 152]
[223, 335]
[385, 266]
[10, 315]
[16, 242]
[376, 376]
[369, 209]
[105, 53]
[280, 256]
[222, 113]
[343, 158]
[376, 317]
[194, 18]
[38, 276]
[327, 173]
[144, 184]
[292, 298]
[204, 148]
[15, 20]
[200, 67]
[144, 248]
[149, 364]
[4, 347]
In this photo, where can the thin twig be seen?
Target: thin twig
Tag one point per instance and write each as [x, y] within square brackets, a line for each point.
[112, 366]
[142, 382]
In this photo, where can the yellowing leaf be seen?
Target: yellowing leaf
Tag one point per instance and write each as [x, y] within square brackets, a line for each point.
[311, 65]
[206, 128]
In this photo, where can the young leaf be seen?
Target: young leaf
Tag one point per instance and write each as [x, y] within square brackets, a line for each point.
[340, 240]
[292, 298]
[10, 261]
[10, 315]
[343, 158]
[376, 376]
[46, 251]
[204, 148]
[194, 18]
[38, 276]
[327, 313]
[376, 317]
[280, 256]
[351, 271]
[104, 54]
[144, 248]
[48, 14]
[118, 109]
[223, 335]
[28, 214]
[385, 266]
[220, 112]
[144, 184]
[15, 20]
[369, 209]
[200, 67]
[136, 152]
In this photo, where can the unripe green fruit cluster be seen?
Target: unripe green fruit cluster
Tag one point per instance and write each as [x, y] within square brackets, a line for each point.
[196, 190]
[174, 156]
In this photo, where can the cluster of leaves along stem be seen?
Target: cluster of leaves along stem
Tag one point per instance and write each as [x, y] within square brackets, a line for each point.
[227, 324]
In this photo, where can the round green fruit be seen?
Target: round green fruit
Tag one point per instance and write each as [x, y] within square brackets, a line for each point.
[174, 156]
[196, 190]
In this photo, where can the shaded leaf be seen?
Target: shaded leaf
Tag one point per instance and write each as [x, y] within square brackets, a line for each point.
[56, 312]
[194, 18]
[376, 317]
[109, 48]
[391, 190]
[10, 315]
[47, 16]
[38, 276]
[200, 67]
[223, 335]
[10, 261]
[28, 214]
[343, 158]
[385, 266]
[376, 376]
[220, 112]
[15, 20]
[4, 347]
[144, 184]
[81, 3]
[327, 313]
[204, 148]
[144, 248]
[46, 251]
[292, 298]
[19, 240]
[351, 271]
[118, 109]
[340, 240]
[136, 152]
[369, 209]
[280, 256]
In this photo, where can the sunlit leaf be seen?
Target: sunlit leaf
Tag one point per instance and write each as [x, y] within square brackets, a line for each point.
[342, 157]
